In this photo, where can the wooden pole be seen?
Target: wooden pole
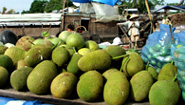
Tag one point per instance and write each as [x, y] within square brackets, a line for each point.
[149, 14]
[63, 14]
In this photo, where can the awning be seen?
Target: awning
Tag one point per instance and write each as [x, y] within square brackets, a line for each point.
[172, 8]
[108, 2]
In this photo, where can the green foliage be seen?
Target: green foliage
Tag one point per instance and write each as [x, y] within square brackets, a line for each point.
[41, 6]
[56, 5]
[157, 2]
[140, 4]
[37, 6]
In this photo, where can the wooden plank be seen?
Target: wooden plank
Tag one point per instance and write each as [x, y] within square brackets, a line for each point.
[48, 98]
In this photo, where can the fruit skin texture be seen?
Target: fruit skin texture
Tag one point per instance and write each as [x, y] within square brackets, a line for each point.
[141, 83]
[75, 40]
[60, 56]
[92, 45]
[4, 76]
[63, 85]
[164, 92]
[116, 89]
[109, 72]
[18, 78]
[90, 85]
[3, 49]
[64, 34]
[15, 53]
[134, 65]
[114, 51]
[153, 72]
[25, 42]
[167, 72]
[95, 60]
[72, 67]
[6, 62]
[40, 78]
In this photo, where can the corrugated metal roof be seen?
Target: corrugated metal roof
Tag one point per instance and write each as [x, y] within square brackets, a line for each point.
[30, 19]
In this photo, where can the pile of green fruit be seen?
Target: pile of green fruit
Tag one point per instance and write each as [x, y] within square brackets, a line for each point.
[67, 66]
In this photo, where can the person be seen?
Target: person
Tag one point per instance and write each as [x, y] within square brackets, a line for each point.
[168, 21]
[133, 28]
[70, 27]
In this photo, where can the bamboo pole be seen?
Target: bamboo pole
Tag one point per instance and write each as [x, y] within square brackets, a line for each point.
[149, 14]
[63, 15]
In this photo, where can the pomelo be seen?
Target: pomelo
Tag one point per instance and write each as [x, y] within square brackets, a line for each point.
[64, 34]
[75, 40]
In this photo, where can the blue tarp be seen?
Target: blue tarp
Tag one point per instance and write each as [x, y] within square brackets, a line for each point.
[80, 1]
[109, 2]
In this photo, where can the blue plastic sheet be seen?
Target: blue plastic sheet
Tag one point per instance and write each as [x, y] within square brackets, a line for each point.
[157, 48]
[108, 2]
[7, 100]
[178, 56]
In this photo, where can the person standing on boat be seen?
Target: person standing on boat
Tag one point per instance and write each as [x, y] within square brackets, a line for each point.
[133, 28]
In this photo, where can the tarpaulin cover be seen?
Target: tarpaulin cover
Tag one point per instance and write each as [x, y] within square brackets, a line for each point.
[109, 2]
[80, 1]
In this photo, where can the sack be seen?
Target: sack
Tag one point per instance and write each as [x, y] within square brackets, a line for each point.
[157, 48]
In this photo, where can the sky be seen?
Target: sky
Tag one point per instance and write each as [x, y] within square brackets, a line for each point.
[20, 5]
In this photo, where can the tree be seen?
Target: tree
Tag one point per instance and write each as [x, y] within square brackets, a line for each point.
[4, 10]
[140, 4]
[157, 2]
[37, 6]
[56, 5]
[11, 11]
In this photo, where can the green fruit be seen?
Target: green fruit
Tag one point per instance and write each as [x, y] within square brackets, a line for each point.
[60, 56]
[109, 72]
[116, 89]
[25, 42]
[64, 34]
[44, 50]
[33, 57]
[141, 83]
[167, 72]
[20, 64]
[57, 41]
[38, 41]
[95, 60]
[37, 54]
[69, 49]
[134, 64]
[84, 51]
[3, 49]
[4, 76]
[18, 78]
[72, 67]
[45, 42]
[39, 80]
[63, 85]
[153, 72]
[164, 92]
[90, 86]
[15, 53]
[92, 45]
[6, 62]
[75, 40]
[114, 51]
